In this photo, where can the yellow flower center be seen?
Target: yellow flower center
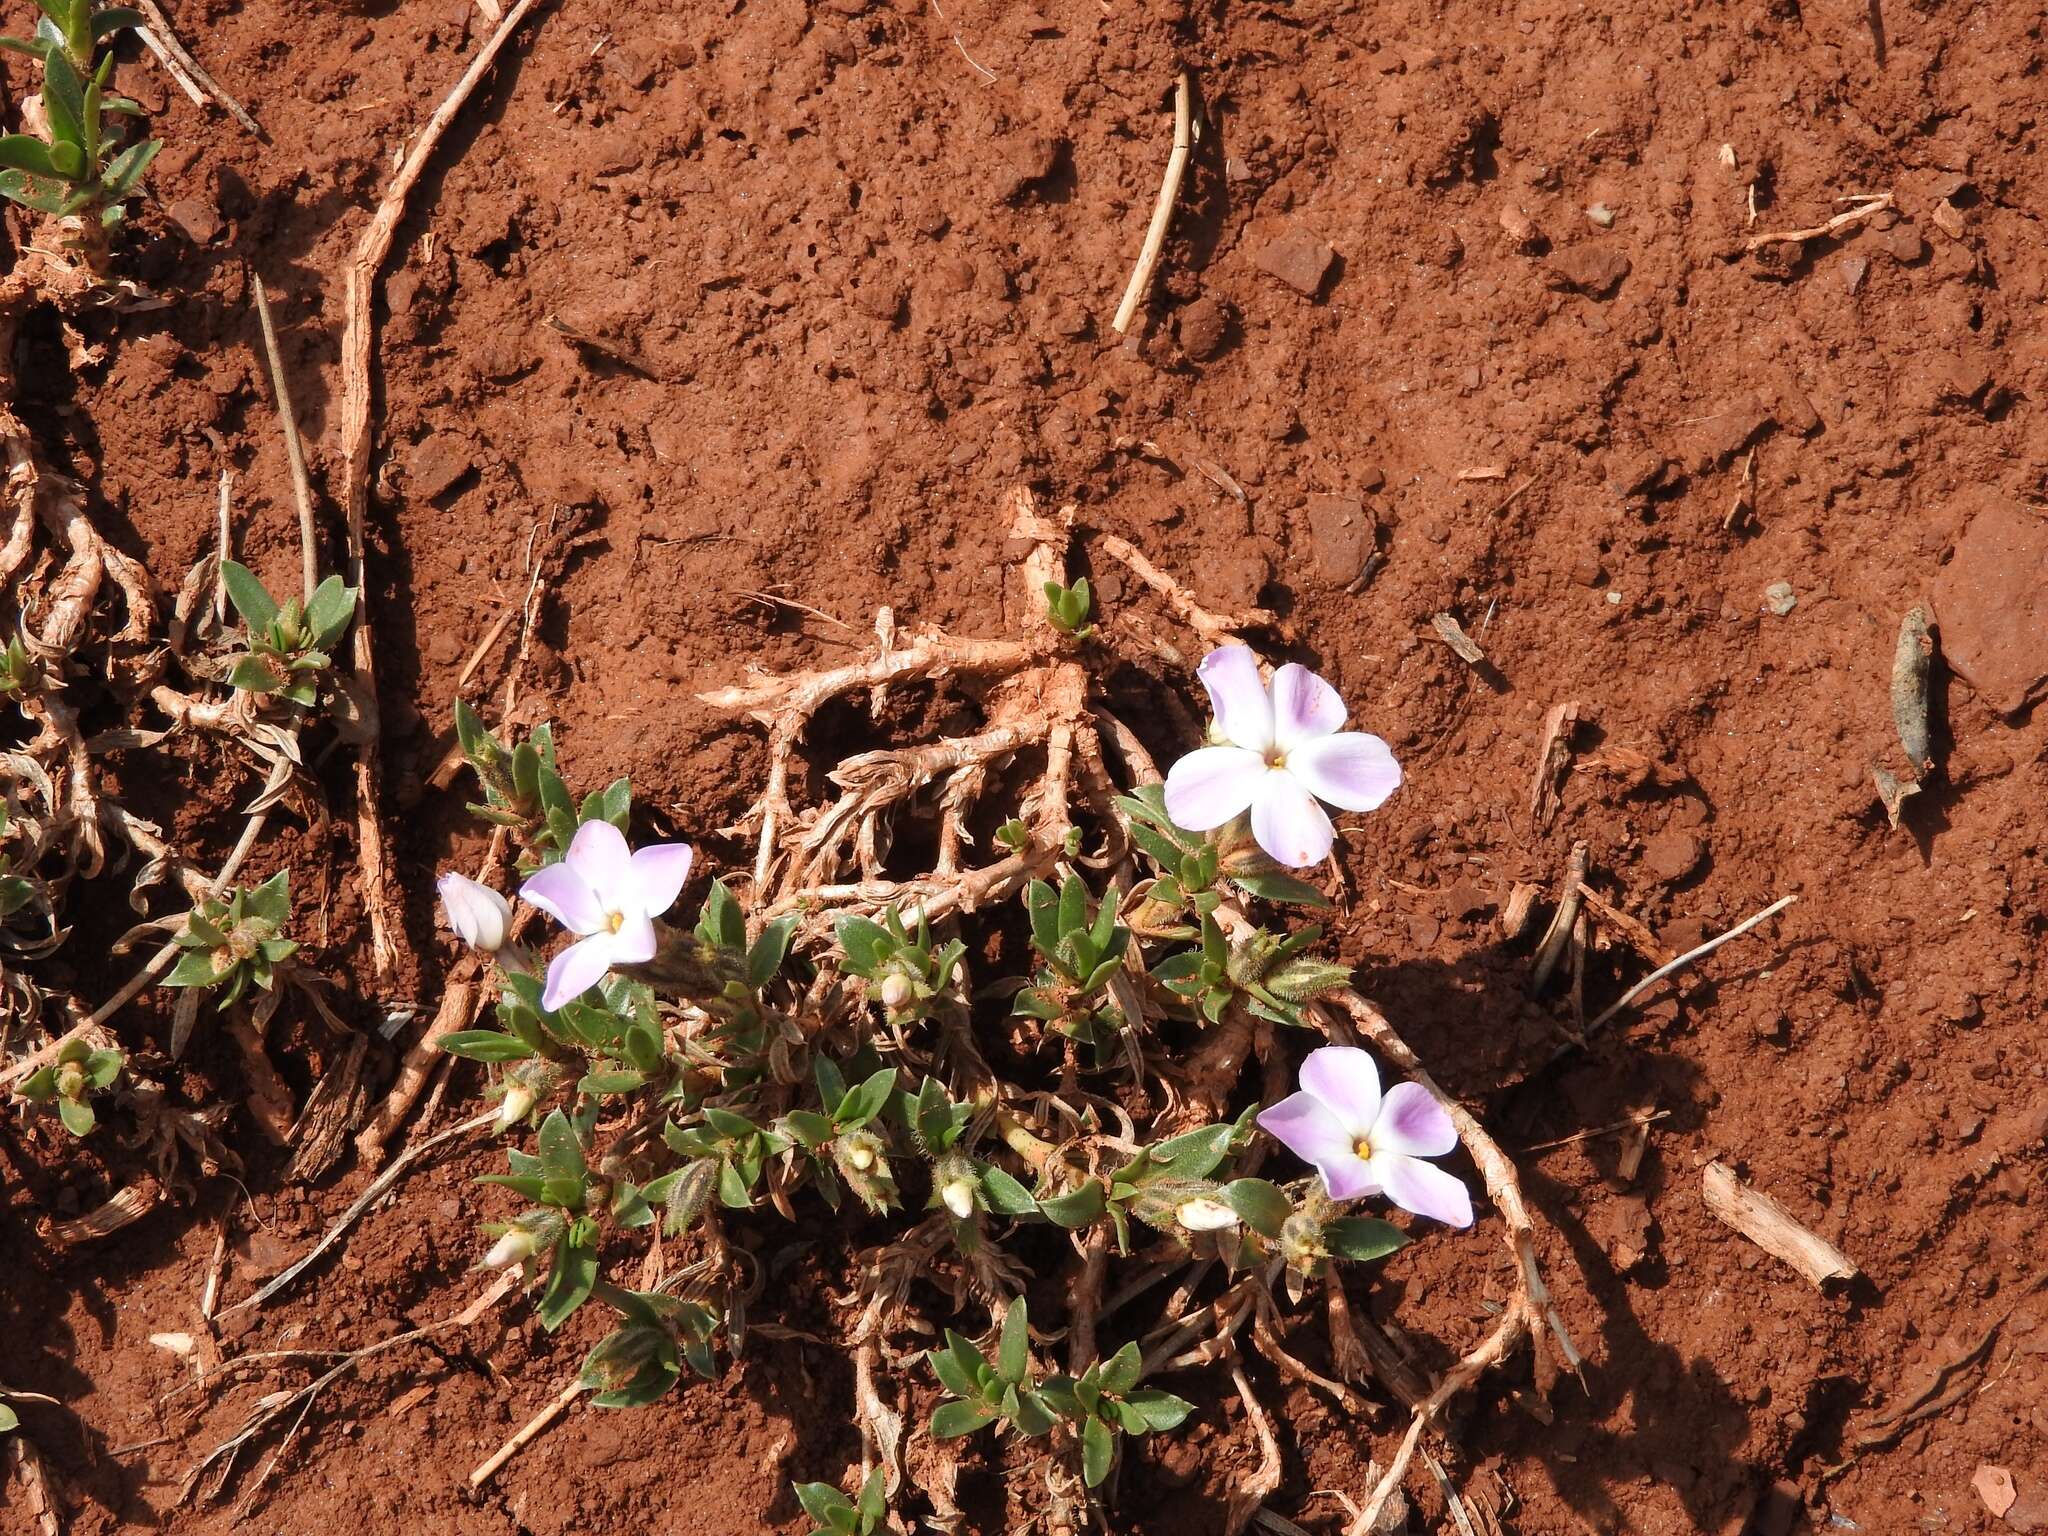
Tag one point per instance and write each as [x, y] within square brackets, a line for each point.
[1276, 759]
[617, 921]
[1363, 1148]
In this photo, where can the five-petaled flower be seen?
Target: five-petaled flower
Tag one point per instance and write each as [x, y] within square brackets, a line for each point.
[1284, 749]
[1363, 1144]
[477, 915]
[608, 896]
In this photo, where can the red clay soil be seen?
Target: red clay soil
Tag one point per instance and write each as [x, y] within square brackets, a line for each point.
[1457, 316]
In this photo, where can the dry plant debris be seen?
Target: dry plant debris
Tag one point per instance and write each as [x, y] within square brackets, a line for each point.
[1772, 1228]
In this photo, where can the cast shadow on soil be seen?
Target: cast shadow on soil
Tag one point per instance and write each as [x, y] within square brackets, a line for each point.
[1647, 1410]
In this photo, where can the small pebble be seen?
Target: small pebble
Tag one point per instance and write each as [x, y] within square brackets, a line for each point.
[1602, 215]
[1614, 599]
[1780, 598]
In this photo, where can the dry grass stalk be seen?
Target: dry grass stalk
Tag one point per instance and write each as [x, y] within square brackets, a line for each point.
[1772, 1228]
[1162, 209]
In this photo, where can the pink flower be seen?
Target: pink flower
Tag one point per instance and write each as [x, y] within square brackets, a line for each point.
[608, 896]
[1285, 751]
[1363, 1144]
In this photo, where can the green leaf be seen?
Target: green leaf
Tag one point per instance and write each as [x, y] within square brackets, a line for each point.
[723, 923]
[1160, 1410]
[1073, 904]
[831, 1083]
[1363, 1238]
[863, 943]
[1075, 1209]
[8, 1420]
[953, 1420]
[63, 98]
[1192, 1154]
[39, 193]
[766, 956]
[25, 152]
[733, 1127]
[194, 969]
[1098, 1450]
[1271, 885]
[1043, 906]
[1013, 1355]
[601, 1085]
[862, 1104]
[733, 1191]
[873, 1500]
[485, 1045]
[77, 1116]
[272, 900]
[954, 1375]
[328, 614]
[251, 598]
[826, 1505]
[1120, 1372]
[1006, 1196]
[102, 1067]
[1029, 1412]
[570, 1280]
[1262, 1203]
[115, 18]
[561, 1154]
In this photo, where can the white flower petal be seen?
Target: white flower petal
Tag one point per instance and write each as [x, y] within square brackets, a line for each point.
[577, 969]
[1423, 1188]
[1412, 1123]
[659, 873]
[1304, 707]
[1351, 770]
[1288, 823]
[1244, 712]
[599, 854]
[1211, 785]
[633, 944]
[566, 896]
[1345, 1081]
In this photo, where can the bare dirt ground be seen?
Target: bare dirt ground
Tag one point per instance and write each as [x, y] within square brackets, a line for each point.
[1457, 316]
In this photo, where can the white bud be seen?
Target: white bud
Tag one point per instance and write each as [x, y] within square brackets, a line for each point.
[897, 991]
[1200, 1215]
[517, 1104]
[478, 915]
[959, 1197]
[861, 1156]
[516, 1245]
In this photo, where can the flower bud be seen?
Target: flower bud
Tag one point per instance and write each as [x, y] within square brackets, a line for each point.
[70, 1080]
[478, 915]
[897, 992]
[958, 1195]
[525, 1237]
[516, 1106]
[1204, 1215]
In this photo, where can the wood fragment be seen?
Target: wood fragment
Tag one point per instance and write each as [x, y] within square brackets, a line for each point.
[1634, 929]
[1521, 904]
[294, 449]
[358, 358]
[1893, 791]
[1559, 933]
[1452, 633]
[1633, 1122]
[1868, 206]
[331, 1110]
[458, 1002]
[1162, 210]
[1631, 1160]
[1912, 667]
[1482, 472]
[1745, 495]
[128, 1205]
[1772, 1228]
[188, 71]
[1553, 762]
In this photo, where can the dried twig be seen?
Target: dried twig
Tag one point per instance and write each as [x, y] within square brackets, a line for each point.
[188, 71]
[1685, 960]
[1162, 210]
[527, 1432]
[1912, 666]
[358, 358]
[1864, 209]
[1553, 761]
[1772, 1228]
[1216, 628]
[1559, 933]
[295, 452]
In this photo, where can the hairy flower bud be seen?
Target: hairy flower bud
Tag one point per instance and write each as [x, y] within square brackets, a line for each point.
[897, 992]
[1204, 1215]
[516, 1106]
[526, 1236]
[476, 914]
[859, 1157]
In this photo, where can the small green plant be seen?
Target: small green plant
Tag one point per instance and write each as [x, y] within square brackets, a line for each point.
[523, 790]
[78, 1072]
[1093, 1410]
[16, 891]
[1272, 974]
[81, 169]
[232, 944]
[559, 1180]
[843, 1140]
[1082, 952]
[832, 1513]
[1068, 607]
[289, 644]
[904, 972]
[18, 672]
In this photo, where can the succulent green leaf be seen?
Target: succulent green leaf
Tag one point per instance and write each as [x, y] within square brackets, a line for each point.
[485, 1045]
[26, 152]
[1363, 1238]
[1160, 1410]
[1263, 1205]
[1098, 1450]
[953, 1420]
[1013, 1355]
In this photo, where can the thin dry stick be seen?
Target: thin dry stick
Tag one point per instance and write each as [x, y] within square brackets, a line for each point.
[295, 451]
[163, 42]
[358, 358]
[1162, 211]
[488, 1467]
[1685, 960]
[1834, 226]
[363, 1202]
[1773, 1228]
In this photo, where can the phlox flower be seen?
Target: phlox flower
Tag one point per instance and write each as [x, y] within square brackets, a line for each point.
[1284, 750]
[476, 914]
[1365, 1144]
[608, 896]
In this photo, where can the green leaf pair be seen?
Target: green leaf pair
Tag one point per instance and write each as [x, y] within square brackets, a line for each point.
[78, 1071]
